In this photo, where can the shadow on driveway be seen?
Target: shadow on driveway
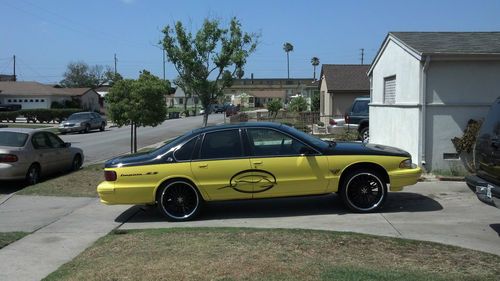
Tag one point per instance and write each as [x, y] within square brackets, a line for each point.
[496, 228]
[284, 207]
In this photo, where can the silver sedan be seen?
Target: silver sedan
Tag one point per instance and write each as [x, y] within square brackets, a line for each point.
[29, 154]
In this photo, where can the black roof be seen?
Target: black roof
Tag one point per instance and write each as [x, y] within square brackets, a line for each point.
[237, 126]
[451, 43]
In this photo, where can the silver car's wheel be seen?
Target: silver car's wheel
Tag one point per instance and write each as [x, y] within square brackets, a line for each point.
[363, 191]
[33, 175]
[77, 163]
[103, 126]
[179, 201]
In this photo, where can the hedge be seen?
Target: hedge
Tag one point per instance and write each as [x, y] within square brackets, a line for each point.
[40, 114]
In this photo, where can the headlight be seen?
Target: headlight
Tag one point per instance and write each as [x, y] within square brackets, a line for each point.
[406, 164]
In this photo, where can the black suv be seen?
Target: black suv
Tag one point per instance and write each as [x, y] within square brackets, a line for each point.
[357, 118]
[486, 182]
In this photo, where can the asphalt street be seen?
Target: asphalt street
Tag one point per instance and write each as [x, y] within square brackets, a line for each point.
[100, 146]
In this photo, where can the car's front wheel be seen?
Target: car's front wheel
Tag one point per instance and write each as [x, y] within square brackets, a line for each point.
[364, 135]
[77, 163]
[363, 191]
[103, 126]
[179, 201]
[33, 175]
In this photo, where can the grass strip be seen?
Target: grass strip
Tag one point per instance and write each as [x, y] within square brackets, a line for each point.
[274, 254]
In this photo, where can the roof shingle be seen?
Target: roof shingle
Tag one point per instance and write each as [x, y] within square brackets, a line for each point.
[451, 43]
[346, 77]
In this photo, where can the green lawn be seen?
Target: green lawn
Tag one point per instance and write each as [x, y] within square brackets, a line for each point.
[9, 237]
[260, 254]
[80, 183]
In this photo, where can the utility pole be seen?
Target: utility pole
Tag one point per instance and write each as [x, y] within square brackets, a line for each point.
[362, 55]
[14, 57]
[115, 63]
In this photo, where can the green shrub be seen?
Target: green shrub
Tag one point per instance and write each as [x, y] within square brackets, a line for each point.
[8, 116]
[47, 115]
[298, 104]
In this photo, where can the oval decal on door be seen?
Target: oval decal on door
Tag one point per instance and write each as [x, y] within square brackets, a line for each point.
[252, 181]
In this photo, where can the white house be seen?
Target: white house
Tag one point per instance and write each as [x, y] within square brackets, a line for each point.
[425, 86]
[32, 95]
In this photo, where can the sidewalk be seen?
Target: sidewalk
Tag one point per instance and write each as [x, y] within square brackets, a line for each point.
[63, 228]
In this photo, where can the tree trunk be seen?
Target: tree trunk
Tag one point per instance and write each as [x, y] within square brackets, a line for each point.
[131, 137]
[205, 118]
[135, 138]
[288, 65]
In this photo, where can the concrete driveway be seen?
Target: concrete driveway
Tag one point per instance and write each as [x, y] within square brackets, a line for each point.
[445, 212]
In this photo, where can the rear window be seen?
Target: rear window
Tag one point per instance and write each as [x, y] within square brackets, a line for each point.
[13, 139]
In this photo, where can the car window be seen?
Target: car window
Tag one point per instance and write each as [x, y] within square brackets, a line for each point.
[54, 141]
[222, 144]
[267, 142]
[39, 141]
[186, 151]
[13, 139]
[360, 107]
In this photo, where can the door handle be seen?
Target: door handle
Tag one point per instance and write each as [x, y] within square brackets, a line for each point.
[257, 162]
[203, 165]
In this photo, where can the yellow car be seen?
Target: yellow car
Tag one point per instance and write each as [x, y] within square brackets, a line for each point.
[251, 161]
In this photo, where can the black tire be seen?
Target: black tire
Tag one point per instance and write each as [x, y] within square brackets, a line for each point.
[179, 201]
[33, 175]
[87, 129]
[364, 135]
[76, 163]
[63, 133]
[103, 127]
[363, 191]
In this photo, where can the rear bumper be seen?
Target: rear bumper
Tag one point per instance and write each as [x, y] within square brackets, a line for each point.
[484, 190]
[12, 172]
[110, 194]
[404, 177]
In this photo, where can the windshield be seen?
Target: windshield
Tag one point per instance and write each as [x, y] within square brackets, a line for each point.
[79, 116]
[319, 143]
[13, 139]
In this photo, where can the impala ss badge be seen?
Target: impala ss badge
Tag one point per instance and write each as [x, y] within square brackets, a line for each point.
[252, 181]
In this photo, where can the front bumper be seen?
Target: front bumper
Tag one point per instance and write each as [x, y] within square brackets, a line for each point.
[68, 129]
[484, 190]
[404, 177]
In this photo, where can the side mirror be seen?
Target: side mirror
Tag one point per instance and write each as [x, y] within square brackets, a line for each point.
[67, 144]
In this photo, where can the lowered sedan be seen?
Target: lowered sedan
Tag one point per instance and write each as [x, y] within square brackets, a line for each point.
[27, 154]
[255, 160]
[82, 122]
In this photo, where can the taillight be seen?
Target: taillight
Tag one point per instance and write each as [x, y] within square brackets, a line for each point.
[8, 158]
[332, 122]
[110, 175]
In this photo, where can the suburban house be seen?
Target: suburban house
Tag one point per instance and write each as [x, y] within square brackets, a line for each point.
[258, 92]
[179, 98]
[425, 86]
[339, 85]
[32, 95]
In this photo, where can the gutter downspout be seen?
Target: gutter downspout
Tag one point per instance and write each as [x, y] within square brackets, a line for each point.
[423, 117]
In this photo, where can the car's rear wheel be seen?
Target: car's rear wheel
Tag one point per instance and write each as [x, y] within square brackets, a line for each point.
[87, 128]
[179, 201]
[364, 135]
[363, 191]
[77, 163]
[33, 175]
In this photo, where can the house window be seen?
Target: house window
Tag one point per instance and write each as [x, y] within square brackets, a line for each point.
[31, 100]
[390, 90]
[181, 101]
[9, 101]
[36, 100]
[26, 100]
[42, 100]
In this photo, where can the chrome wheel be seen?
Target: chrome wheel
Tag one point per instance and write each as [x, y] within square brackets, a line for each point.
[365, 135]
[179, 201]
[364, 191]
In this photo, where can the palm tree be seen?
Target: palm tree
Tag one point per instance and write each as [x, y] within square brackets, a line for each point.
[287, 47]
[314, 62]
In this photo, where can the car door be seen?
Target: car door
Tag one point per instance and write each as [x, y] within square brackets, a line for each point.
[220, 164]
[288, 166]
[44, 153]
[488, 146]
[63, 156]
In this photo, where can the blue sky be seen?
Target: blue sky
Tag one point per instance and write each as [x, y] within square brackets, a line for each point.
[46, 35]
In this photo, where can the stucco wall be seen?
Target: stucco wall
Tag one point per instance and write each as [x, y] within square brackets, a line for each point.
[456, 92]
[90, 101]
[396, 125]
[32, 101]
[343, 101]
